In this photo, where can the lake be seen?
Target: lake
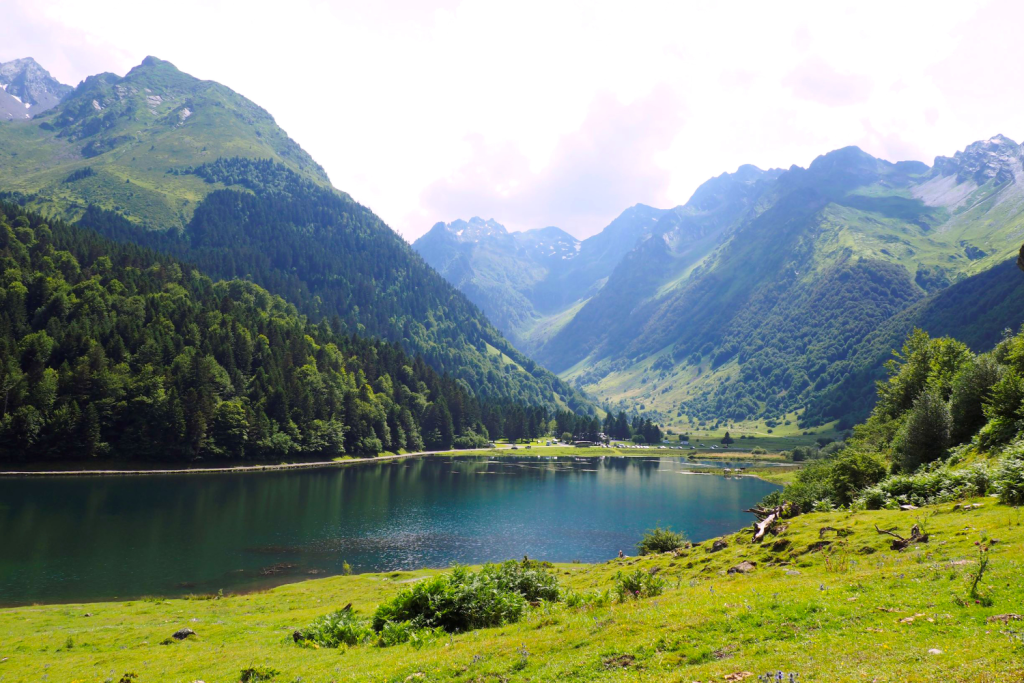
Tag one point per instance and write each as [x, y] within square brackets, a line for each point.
[66, 539]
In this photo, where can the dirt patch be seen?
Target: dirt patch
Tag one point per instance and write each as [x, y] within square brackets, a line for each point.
[619, 662]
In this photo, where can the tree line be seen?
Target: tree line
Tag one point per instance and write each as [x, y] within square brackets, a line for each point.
[334, 258]
[110, 349]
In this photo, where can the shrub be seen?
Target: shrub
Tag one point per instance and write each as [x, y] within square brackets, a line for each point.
[577, 600]
[461, 600]
[757, 450]
[470, 440]
[660, 540]
[336, 629]
[851, 472]
[1009, 478]
[832, 448]
[396, 633]
[638, 584]
[934, 485]
[255, 673]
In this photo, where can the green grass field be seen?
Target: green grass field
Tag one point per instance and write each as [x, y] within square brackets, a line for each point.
[826, 608]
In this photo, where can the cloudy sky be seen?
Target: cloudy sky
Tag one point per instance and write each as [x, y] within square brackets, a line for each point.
[563, 113]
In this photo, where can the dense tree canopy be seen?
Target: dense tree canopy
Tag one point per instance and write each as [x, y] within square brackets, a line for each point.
[113, 350]
[334, 258]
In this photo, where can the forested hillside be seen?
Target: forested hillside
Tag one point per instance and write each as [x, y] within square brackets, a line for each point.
[790, 316]
[190, 168]
[113, 350]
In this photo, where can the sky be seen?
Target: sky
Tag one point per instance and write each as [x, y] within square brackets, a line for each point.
[538, 113]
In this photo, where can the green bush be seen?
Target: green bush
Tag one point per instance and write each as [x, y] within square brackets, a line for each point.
[660, 540]
[638, 584]
[396, 633]
[461, 600]
[851, 472]
[935, 485]
[757, 450]
[1009, 478]
[470, 440]
[578, 600]
[336, 629]
[258, 673]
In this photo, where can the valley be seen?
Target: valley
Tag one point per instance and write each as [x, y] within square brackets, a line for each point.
[770, 295]
[249, 432]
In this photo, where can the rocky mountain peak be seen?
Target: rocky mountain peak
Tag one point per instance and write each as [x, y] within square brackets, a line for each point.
[26, 89]
[998, 158]
[473, 230]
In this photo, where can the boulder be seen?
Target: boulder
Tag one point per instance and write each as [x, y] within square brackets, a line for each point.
[719, 544]
[183, 633]
[744, 567]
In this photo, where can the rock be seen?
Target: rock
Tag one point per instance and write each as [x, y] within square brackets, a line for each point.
[792, 572]
[908, 507]
[743, 568]
[183, 633]
[935, 651]
[719, 544]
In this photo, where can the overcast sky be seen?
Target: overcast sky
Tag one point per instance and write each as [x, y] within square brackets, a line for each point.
[563, 113]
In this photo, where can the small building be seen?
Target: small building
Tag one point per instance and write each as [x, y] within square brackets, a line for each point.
[584, 444]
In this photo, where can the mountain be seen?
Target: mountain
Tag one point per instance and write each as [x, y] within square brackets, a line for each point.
[115, 142]
[531, 283]
[114, 351]
[192, 169]
[27, 89]
[501, 272]
[776, 295]
[768, 325]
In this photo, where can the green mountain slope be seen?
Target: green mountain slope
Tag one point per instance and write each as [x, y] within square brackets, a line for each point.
[114, 351]
[123, 135]
[532, 283]
[771, 324]
[198, 171]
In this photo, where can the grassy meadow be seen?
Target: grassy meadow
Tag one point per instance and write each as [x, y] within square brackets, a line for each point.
[824, 605]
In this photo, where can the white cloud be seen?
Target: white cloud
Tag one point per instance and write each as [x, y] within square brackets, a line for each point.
[547, 112]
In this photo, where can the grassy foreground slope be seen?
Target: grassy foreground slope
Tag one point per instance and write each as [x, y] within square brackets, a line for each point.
[853, 610]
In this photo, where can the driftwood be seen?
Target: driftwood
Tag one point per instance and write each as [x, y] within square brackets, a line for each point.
[769, 517]
[900, 543]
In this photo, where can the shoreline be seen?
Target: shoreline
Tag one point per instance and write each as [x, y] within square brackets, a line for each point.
[322, 464]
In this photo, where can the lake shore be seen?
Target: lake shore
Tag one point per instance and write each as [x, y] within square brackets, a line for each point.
[894, 613]
[115, 468]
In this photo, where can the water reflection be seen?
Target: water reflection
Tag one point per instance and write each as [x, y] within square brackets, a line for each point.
[98, 538]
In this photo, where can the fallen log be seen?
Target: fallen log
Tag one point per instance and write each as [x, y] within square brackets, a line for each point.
[900, 543]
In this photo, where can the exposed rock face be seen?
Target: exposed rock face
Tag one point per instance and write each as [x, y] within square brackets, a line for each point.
[997, 158]
[27, 89]
[1020, 258]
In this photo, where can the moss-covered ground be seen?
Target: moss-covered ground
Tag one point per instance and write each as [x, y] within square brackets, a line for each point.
[824, 607]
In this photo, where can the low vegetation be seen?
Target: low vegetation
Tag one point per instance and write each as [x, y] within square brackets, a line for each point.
[946, 426]
[828, 598]
[660, 540]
